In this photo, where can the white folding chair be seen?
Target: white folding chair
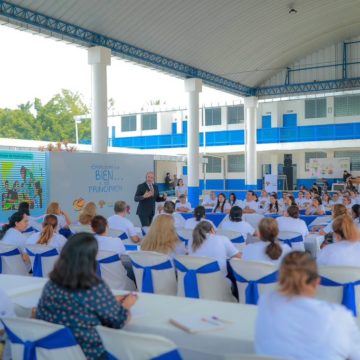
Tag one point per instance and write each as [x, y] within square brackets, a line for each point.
[235, 237]
[341, 285]
[154, 272]
[42, 259]
[200, 277]
[41, 340]
[80, 228]
[126, 345]
[253, 278]
[293, 239]
[253, 219]
[112, 271]
[11, 261]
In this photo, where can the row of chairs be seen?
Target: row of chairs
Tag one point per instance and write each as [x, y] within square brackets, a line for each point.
[37, 339]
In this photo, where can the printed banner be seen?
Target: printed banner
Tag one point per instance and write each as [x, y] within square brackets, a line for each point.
[328, 168]
[271, 183]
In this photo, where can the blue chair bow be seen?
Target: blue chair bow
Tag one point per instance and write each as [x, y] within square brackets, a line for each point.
[108, 260]
[191, 288]
[171, 355]
[252, 291]
[131, 247]
[8, 253]
[37, 267]
[238, 240]
[57, 340]
[348, 298]
[185, 241]
[289, 242]
[147, 280]
[123, 236]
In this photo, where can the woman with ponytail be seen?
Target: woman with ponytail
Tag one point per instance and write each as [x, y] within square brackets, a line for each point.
[292, 324]
[269, 249]
[48, 235]
[236, 224]
[205, 242]
[199, 215]
[345, 251]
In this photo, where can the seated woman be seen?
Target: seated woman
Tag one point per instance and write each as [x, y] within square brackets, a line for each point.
[291, 222]
[87, 214]
[210, 200]
[63, 218]
[355, 213]
[264, 200]
[76, 298]
[162, 237]
[273, 206]
[236, 224]
[169, 209]
[233, 201]
[346, 249]
[100, 227]
[326, 201]
[183, 206]
[347, 203]
[317, 208]
[291, 323]
[289, 200]
[269, 249]
[181, 189]
[25, 207]
[205, 242]
[338, 210]
[48, 235]
[12, 233]
[221, 206]
[199, 215]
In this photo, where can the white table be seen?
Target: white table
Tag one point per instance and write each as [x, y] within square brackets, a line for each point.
[16, 285]
[152, 314]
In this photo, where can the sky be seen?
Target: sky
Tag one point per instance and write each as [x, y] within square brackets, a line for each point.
[32, 65]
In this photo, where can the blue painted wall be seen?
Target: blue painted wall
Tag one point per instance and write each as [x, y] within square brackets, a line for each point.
[266, 121]
[289, 120]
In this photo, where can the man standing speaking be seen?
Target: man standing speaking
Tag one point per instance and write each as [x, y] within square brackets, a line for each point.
[147, 194]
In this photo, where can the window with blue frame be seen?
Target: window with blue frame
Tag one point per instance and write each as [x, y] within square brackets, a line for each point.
[354, 158]
[236, 163]
[128, 123]
[235, 114]
[149, 121]
[315, 108]
[214, 165]
[213, 116]
[347, 105]
[313, 155]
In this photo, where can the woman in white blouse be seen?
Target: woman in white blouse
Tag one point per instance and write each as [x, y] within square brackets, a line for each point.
[199, 215]
[269, 249]
[317, 208]
[12, 233]
[292, 324]
[63, 218]
[222, 206]
[346, 249]
[291, 222]
[181, 188]
[48, 235]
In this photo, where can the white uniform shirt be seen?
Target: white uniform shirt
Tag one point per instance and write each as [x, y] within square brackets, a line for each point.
[187, 205]
[241, 227]
[192, 222]
[251, 205]
[108, 243]
[208, 202]
[287, 223]
[227, 206]
[264, 202]
[301, 202]
[178, 219]
[14, 237]
[340, 253]
[256, 252]
[217, 247]
[118, 222]
[57, 240]
[313, 210]
[181, 190]
[305, 328]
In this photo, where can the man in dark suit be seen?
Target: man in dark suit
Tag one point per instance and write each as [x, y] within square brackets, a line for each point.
[147, 194]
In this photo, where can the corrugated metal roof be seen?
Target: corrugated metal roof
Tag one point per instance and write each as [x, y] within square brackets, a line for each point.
[247, 41]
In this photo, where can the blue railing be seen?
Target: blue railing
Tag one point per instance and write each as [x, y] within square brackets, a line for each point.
[347, 131]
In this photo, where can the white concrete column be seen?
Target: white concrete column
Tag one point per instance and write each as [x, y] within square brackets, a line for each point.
[193, 87]
[274, 163]
[99, 57]
[250, 142]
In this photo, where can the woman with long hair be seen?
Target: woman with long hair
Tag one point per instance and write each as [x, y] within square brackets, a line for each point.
[292, 324]
[345, 251]
[338, 210]
[12, 232]
[162, 237]
[269, 249]
[222, 206]
[63, 218]
[199, 215]
[317, 207]
[48, 234]
[87, 213]
[291, 222]
[205, 242]
[273, 206]
[78, 299]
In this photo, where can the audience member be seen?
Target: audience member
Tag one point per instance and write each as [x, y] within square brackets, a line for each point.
[87, 213]
[291, 323]
[76, 298]
[338, 210]
[199, 215]
[250, 205]
[291, 222]
[183, 206]
[273, 207]
[12, 232]
[222, 206]
[169, 209]
[25, 208]
[326, 201]
[63, 218]
[264, 200]
[210, 200]
[317, 208]
[233, 201]
[181, 189]
[300, 201]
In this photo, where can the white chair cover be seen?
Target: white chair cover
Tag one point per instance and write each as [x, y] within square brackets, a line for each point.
[126, 345]
[164, 281]
[341, 275]
[115, 233]
[285, 235]
[47, 263]
[80, 228]
[184, 234]
[253, 219]
[14, 264]
[252, 357]
[252, 271]
[212, 286]
[114, 274]
[32, 330]
[232, 235]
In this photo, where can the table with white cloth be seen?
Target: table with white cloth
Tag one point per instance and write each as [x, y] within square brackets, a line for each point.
[152, 314]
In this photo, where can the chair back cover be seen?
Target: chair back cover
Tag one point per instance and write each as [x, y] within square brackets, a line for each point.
[42, 265]
[296, 244]
[11, 261]
[163, 281]
[37, 333]
[80, 228]
[253, 219]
